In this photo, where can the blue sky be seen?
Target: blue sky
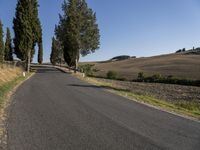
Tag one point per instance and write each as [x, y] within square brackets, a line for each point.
[131, 27]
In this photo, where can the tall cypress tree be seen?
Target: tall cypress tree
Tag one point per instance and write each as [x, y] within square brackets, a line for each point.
[23, 30]
[27, 30]
[56, 52]
[40, 45]
[37, 31]
[8, 47]
[53, 52]
[72, 43]
[40, 52]
[77, 31]
[1, 43]
[68, 32]
[89, 32]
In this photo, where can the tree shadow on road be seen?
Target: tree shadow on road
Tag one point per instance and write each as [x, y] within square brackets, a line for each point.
[47, 71]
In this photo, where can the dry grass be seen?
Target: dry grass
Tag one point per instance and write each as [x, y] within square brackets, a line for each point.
[178, 65]
[8, 73]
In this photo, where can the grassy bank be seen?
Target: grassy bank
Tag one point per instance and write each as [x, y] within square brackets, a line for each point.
[190, 109]
[10, 78]
[5, 88]
[182, 107]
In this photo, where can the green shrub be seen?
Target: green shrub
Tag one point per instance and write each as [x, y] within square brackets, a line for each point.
[111, 75]
[87, 69]
[141, 76]
[156, 77]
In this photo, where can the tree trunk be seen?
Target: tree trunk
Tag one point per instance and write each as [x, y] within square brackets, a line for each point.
[76, 65]
[28, 62]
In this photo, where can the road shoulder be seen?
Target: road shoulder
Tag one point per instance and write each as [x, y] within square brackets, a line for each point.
[7, 91]
[145, 100]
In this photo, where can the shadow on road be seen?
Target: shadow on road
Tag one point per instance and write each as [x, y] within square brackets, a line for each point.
[47, 70]
[100, 87]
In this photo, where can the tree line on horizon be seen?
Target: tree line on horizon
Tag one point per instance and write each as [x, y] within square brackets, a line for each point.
[76, 34]
[27, 33]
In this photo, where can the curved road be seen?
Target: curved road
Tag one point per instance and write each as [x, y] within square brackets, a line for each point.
[55, 111]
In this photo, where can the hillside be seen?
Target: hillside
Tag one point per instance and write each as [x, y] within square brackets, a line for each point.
[178, 65]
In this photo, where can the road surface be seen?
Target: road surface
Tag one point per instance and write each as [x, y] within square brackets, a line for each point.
[55, 111]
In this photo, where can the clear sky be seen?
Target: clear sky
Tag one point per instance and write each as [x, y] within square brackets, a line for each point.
[131, 27]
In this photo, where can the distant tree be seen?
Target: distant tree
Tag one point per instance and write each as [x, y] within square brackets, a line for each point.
[8, 47]
[56, 52]
[122, 57]
[179, 51]
[77, 31]
[37, 31]
[53, 52]
[141, 76]
[1, 43]
[40, 49]
[40, 53]
[183, 50]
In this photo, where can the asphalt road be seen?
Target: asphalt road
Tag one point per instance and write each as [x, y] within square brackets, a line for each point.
[55, 111]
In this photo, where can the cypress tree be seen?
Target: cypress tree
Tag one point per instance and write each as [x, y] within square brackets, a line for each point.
[1, 43]
[72, 46]
[23, 31]
[8, 47]
[40, 52]
[77, 31]
[89, 32]
[27, 30]
[40, 45]
[53, 52]
[56, 52]
[37, 31]
[68, 32]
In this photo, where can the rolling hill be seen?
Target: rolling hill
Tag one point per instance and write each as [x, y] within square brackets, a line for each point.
[180, 65]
